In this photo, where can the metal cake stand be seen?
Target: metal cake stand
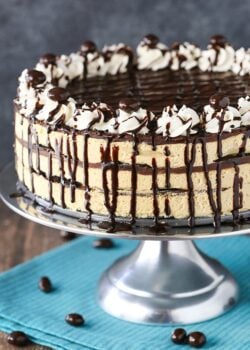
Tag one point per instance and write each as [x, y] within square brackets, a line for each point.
[165, 280]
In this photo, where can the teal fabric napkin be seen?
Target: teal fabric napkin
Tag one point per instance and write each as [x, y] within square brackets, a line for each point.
[75, 269]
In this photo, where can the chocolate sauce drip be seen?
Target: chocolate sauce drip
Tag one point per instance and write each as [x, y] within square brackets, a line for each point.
[208, 181]
[115, 182]
[87, 47]
[85, 67]
[167, 179]
[167, 207]
[49, 59]
[37, 149]
[152, 126]
[133, 201]
[22, 152]
[135, 144]
[245, 138]
[50, 177]
[87, 195]
[217, 217]
[237, 195]
[241, 193]
[217, 42]
[72, 167]
[156, 210]
[53, 113]
[219, 102]
[189, 164]
[167, 167]
[50, 165]
[30, 154]
[59, 154]
[108, 164]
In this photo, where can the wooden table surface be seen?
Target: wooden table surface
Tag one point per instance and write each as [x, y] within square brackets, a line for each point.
[20, 241]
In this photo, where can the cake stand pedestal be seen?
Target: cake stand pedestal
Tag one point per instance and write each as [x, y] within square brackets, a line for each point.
[165, 280]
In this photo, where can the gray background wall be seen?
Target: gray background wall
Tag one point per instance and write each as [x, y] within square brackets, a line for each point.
[29, 28]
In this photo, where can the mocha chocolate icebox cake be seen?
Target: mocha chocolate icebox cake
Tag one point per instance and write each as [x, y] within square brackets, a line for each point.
[130, 138]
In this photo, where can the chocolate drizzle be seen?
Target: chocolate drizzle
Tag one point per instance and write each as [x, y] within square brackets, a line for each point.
[58, 151]
[156, 210]
[237, 201]
[86, 48]
[245, 138]
[106, 161]
[30, 158]
[189, 164]
[206, 172]
[115, 182]
[167, 179]
[167, 167]
[51, 199]
[217, 42]
[133, 201]
[87, 195]
[72, 167]
[109, 164]
[49, 59]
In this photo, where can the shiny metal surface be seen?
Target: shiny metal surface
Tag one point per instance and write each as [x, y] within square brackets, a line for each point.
[167, 283]
[166, 280]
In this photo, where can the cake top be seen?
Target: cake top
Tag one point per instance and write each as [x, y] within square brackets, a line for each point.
[171, 91]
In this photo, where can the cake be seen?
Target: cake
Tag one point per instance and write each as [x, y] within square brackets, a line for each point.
[139, 138]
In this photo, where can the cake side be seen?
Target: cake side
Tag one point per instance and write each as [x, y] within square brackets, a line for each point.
[64, 169]
[109, 134]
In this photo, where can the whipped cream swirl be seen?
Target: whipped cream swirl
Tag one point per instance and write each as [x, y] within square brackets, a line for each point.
[244, 110]
[174, 122]
[185, 56]
[116, 59]
[134, 121]
[152, 54]
[55, 111]
[48, 64]
[71, 66]
[219, 56]
[112, 60]
[97, 116]
[223, 120]
[30, 96]
[241, 65]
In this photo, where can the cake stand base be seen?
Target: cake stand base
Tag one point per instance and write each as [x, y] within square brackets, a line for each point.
[167, 282]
